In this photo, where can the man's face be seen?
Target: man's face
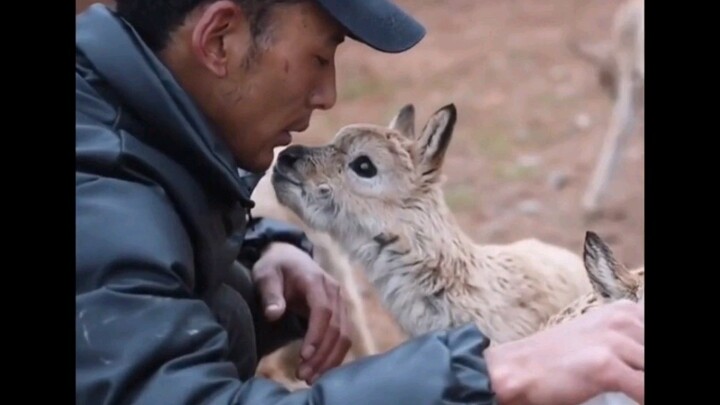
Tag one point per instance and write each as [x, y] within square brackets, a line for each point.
[258, 94]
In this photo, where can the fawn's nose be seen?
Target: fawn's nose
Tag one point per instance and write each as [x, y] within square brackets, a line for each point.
[288, 157]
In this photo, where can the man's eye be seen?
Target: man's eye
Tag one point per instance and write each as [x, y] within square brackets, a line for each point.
[322, 61]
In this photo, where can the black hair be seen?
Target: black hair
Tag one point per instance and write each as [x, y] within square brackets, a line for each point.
[155, 20]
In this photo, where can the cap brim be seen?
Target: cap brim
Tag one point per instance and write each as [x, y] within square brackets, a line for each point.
[380, 24]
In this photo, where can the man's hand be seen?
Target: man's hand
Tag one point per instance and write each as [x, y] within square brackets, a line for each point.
[601, 351]
[289, 278]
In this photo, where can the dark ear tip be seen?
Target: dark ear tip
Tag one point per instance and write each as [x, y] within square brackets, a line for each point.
[451, 109]
[591, 236]
[408, 108]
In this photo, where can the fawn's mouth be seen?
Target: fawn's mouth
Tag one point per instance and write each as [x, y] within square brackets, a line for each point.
[281, 175]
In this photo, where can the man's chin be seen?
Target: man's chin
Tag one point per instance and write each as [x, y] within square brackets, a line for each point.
[259, 163]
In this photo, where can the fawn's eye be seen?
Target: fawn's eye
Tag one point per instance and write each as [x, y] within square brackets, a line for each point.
[363, 166]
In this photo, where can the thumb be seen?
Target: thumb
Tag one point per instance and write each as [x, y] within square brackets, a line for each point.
[270, 286]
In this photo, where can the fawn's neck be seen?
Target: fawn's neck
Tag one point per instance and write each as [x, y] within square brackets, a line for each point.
[425, 242]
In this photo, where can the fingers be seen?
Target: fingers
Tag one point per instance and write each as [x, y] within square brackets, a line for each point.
[328, 339]
[638, 310]
[340, 346]
[626, 373]
[635, 309]
[269, 282]
[628, 319]
[631, 383]
[323, 352]
[632, 354]
[318, 329]
[312, 293]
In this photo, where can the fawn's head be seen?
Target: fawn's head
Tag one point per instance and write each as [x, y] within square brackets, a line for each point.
[367, 173]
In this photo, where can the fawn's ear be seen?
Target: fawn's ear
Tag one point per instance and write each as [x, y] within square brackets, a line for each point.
[404, 121]
[435, 138]
[609, 278]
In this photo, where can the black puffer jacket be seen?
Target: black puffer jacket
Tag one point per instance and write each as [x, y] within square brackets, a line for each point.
[166, 313]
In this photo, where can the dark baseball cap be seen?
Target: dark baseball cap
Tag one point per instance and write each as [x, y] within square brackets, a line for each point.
[381, 24]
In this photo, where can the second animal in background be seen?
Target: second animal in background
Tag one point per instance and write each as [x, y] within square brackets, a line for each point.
[620, 66]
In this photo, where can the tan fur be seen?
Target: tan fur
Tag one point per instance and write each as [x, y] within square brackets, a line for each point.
[427, 271]
[611, 281]
[282, 364]
[620, 64]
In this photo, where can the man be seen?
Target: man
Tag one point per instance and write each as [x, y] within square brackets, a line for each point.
[180, 104]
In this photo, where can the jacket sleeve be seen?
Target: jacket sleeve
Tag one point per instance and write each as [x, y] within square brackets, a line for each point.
[262, 231]
[143, 338]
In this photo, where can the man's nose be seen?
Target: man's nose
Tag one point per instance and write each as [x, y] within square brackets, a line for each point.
[325, 95]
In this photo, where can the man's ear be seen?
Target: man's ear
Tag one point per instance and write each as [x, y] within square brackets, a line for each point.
[217, 22]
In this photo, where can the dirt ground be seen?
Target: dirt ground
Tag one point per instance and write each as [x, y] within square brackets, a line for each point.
[531, 118]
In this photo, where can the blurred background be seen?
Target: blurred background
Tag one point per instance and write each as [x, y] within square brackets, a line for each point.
[531, 118]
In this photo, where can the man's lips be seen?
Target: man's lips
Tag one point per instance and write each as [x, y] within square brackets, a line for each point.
[305, 124]
[285, 137]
